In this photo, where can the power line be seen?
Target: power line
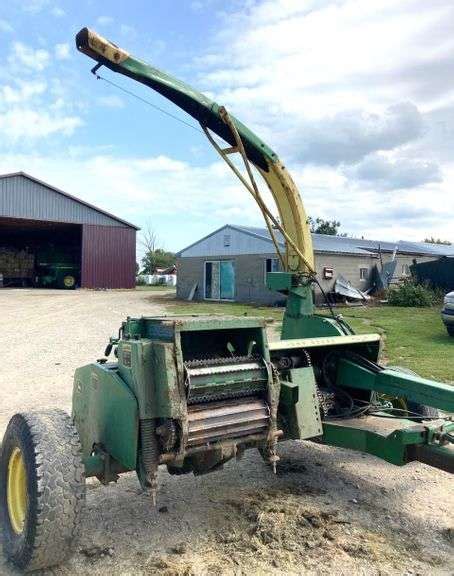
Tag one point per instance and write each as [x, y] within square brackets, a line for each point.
[145, 101]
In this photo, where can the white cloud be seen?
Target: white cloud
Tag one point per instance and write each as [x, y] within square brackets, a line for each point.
[62, 51]
[34, 6]
[27, 124]
[57, 12]
[353, 95]
[155, 188]
[394, 173]
[104, 20]
[189, 201]
[35, 105]
[22, 93]
[5, 26]
[111, 101]
[310, 60]
[349, 136]
[21, 54]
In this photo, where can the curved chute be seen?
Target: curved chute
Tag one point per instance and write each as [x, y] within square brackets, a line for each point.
[299, 257]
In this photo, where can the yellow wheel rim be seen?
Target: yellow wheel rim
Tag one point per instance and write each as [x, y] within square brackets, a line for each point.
[17, 491]
[69, 281]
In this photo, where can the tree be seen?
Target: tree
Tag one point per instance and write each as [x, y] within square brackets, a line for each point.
[321, 226]
[158, 258]
[433, 240]
[154, 257]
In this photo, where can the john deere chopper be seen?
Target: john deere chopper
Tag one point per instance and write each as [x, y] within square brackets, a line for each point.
[191, 393]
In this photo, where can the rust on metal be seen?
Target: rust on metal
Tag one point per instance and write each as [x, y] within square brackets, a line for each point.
[219, 420]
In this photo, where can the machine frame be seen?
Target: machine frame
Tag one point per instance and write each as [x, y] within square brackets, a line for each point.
[192, 393]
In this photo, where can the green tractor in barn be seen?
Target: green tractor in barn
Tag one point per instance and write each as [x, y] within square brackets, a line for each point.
[193, 392]
[56, 268]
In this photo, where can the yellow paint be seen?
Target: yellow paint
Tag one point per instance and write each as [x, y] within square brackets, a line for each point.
[17, 491]
[323, 341]
[69, 281]
[292, 215]
[105, 48]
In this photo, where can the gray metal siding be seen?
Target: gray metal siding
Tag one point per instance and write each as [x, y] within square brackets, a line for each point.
[249, 278]
[21, 197]
[250, 275]
[240, 243]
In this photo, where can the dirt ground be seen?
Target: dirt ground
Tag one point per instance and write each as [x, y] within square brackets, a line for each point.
[327, 511]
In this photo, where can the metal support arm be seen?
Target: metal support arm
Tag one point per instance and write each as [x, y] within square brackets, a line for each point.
[399, 384]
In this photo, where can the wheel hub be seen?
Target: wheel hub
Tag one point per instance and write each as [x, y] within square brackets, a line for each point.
[17, 491]
[69, 281]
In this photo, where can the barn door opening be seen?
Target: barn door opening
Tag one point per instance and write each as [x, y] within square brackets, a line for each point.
[220, 280]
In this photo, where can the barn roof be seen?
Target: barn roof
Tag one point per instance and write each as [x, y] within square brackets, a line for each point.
[343, 245]
[68, 196]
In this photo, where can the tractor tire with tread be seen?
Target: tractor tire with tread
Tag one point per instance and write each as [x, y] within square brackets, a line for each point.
[450, 329]
[54, 482]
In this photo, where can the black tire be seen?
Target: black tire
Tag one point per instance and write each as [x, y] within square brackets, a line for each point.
[414, 408]
[450, 329]
[55, 488]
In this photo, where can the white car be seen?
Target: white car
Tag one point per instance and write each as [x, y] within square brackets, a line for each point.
[447, 314]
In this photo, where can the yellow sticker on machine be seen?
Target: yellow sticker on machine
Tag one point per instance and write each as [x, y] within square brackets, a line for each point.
[323, 341]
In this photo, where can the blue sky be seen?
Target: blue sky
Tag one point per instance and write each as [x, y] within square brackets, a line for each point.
[356, 97]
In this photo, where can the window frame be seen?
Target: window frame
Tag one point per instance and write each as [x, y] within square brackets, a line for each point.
[361, 269]
[265, 260]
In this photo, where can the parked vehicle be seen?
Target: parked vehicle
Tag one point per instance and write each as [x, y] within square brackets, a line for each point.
[55, 268]
[447, 314]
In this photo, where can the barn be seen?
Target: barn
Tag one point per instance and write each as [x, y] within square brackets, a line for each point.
[49, 238]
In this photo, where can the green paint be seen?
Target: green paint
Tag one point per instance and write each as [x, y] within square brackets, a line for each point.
[152, 351]
[105, 412]
[298, 406]
[196, 104]
[399, 384]
[392, 447]
[149, 369]
[299, 318]
[393, 443]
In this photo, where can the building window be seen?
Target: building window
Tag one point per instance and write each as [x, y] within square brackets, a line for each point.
[405, 270]
[328, 273]
[226, 240]
[363, 273]
[271, 265]
[220, 280]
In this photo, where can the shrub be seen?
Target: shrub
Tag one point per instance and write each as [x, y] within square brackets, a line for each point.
[409, 293]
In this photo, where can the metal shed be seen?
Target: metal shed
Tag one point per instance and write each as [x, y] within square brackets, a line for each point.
[43, 229]
[231, 263]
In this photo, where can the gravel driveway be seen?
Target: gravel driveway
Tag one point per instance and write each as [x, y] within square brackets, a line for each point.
[328, 511]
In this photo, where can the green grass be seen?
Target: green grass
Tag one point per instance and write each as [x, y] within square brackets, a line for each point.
[158, 288]
[414, 337]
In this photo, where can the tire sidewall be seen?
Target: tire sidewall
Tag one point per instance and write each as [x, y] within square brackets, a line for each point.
[19, 547]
